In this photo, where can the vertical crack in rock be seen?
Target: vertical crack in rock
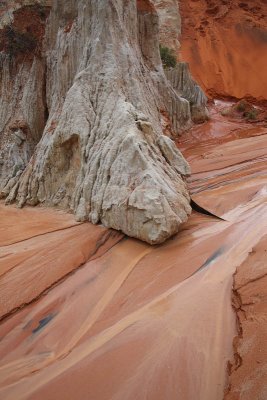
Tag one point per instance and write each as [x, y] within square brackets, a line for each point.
[247, 372]
[102, 153]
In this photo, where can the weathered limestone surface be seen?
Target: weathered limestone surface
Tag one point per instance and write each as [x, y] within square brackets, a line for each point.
[169, 22]
[180, 77]
[186, 87]
[92, 100]
[22, 117]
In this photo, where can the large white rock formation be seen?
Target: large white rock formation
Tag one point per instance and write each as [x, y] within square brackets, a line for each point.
[80, 116]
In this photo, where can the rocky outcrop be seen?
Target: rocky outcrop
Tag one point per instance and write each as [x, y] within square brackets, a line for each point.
[91, 93]
[179, 77]
[170, 23]
[22, 90]
[186, 87]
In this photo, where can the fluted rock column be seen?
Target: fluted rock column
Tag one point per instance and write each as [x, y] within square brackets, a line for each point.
[102, 153]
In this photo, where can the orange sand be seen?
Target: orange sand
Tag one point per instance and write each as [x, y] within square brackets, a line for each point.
[49, 246]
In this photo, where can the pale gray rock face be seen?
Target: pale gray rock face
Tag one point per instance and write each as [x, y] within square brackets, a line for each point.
[185, 86]
[180, 77]
[169, 22]
[22, 116]
[101, 152]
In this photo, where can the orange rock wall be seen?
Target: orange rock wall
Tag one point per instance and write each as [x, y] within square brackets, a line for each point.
[225, 43]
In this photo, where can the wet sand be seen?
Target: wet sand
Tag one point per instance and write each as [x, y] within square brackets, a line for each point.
[248, 379]
[40, 247]
[133, 321]
[228, 161]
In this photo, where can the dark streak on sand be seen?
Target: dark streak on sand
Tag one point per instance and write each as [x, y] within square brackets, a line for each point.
[212, 258]
[43, 322]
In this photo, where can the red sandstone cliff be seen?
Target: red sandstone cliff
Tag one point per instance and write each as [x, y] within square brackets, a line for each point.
[225, 43]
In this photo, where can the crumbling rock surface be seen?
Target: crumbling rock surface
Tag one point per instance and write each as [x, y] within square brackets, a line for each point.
[170, 23]
[180, 76]
[92, 99]
[22, 117]
[22, 91]
[186, 87]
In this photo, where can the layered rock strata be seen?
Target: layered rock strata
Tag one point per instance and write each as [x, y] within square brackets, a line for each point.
[81, 106]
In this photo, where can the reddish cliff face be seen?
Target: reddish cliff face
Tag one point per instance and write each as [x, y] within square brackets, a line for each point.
[225, 43]
[145, 6]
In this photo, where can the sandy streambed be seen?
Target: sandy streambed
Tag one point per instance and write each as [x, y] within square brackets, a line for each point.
[88, 314]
